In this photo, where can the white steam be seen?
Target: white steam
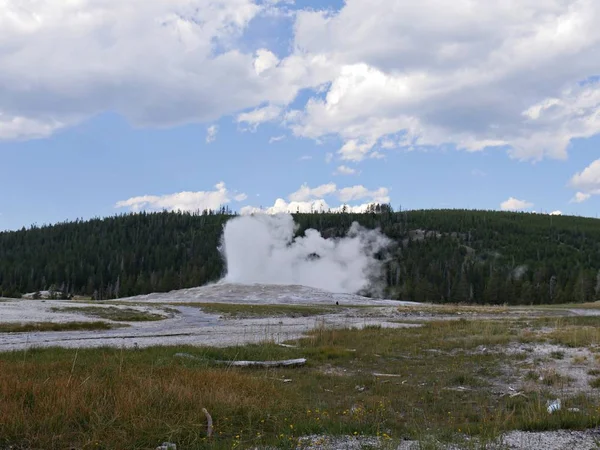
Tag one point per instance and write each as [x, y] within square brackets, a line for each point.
[262, 249]
[518, 272]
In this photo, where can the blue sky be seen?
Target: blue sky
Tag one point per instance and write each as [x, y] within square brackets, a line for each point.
[190, 104]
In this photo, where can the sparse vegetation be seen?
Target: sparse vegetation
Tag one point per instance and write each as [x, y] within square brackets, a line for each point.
[264, 310]
[454, 309]
[112, 313]
[442, 383]
[53, 326]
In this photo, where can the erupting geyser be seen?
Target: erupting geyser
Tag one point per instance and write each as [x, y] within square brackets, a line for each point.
[262, 249]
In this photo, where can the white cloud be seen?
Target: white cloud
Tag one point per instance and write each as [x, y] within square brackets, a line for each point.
[260, 115]
[306, 193]
[580, 197]
[556, 213]
[305, 158]
[478, 173]
[486, 76]
[345, 170]
[240, 197]
[182, 201]
[308, 199]
[276, 139]
[211, 133]
[281, 206]
[587, 182]
[265, 60]
[360, 192]
[15, 128]
[328, 157]
[489, 75]
[513, 204]
[352, 150]
[158, 63]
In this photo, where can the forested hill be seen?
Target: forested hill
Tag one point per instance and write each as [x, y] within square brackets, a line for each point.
[439, 256]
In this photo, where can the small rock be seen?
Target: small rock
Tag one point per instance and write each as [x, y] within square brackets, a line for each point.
[554, 405]
[167, 446]
[360, 388]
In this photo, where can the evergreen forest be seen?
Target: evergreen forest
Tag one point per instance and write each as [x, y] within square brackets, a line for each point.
[440, 256]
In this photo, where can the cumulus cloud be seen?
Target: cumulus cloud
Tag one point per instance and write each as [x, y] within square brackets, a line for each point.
[18, 127]
[160, 63]
[211, 133]
[587, 182]
[307, 199]
[281, 206]
[182, 201]
[556, 213]
[345, 170]
[580, 197]
[306, 193]
[360, 192]
[513, 204]
[476, 77]
[483, 76]
[257, 116]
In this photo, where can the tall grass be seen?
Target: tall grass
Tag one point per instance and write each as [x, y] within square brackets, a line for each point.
[441, 389]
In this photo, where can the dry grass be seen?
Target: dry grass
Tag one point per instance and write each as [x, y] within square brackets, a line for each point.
[442, 387]
[576, 336]
[53, 326]
[454, 309]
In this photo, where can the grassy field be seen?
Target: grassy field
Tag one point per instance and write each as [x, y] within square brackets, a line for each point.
[433, 383]
[111, 313]
[235, 310]
[53, 326]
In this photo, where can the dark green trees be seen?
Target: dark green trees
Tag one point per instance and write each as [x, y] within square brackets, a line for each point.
[437, 256]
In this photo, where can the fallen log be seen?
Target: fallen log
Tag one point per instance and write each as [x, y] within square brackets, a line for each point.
[389, 375]
[282, 363]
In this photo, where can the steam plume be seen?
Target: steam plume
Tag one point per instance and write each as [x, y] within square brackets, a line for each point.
[262, 249]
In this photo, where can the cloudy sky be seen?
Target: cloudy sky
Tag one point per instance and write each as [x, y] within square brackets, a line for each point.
[110, 106]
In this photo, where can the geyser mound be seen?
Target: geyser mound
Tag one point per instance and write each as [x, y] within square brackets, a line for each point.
[262, 249]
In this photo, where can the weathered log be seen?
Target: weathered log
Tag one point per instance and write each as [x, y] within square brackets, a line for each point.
[282, 363]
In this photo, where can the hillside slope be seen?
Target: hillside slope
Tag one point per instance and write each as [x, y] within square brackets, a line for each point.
[439, 255]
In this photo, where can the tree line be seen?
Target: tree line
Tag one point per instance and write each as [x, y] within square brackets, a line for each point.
[437, 256]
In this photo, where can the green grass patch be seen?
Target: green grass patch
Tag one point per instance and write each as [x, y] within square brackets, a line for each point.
[235, 310]
[111, 313]
[53, 326]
